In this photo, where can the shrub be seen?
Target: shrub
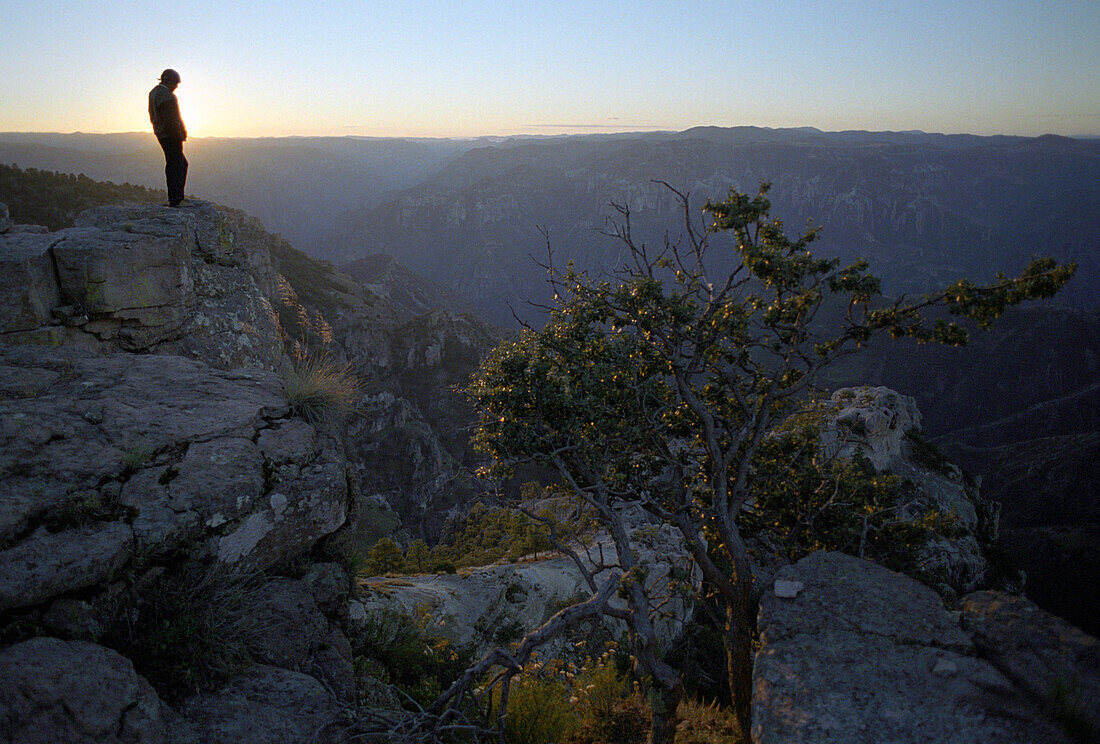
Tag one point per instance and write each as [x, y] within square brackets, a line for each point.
[134, 458]
[319, 390]
[191, 629]
[539, 710]
[557, 701]
[84, 509]
[703, 723]
[420, 664]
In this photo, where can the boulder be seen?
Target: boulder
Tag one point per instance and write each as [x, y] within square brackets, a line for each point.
[881, 424]
[78, 693]
[873, 421]
[46, 564]
[864, 655]
[267, 704]
[1040, 652]
[28, 284]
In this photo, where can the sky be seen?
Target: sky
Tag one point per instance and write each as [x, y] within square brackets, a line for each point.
[458, 69]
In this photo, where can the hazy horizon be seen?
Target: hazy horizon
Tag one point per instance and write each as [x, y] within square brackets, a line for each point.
[534, 135]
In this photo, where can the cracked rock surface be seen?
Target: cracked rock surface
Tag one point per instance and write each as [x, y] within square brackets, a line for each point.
[105, 456]
[863, 655]
[143, 278]
[57, 691]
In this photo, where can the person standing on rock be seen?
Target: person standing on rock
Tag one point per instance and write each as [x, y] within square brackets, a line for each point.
[164, 113]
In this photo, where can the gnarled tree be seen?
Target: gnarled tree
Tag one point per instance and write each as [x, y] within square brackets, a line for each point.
[657, 385]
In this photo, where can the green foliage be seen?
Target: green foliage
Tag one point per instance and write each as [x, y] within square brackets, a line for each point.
[38, 197]
[664, 383]
[404, 654]
[539, 710]
[806, 502]
[84, 509]
[191, 630]
[320, 390]
[595, 702]
[418, 557]
[134, 458]
[384, 557]
[553, 700]
[488, 534]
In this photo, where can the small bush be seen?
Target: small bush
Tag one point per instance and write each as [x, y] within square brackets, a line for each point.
[191, 629]
[702, 723]
[420, 664]
[85, 509]
[319, 390]
[558, 701]
[539, 710]
[134, 458]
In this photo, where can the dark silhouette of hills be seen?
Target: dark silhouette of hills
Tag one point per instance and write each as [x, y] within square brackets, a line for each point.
[51, 199]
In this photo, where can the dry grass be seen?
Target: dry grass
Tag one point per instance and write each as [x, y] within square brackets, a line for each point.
[321, 390]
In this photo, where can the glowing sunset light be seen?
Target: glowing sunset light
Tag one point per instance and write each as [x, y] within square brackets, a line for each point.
[475, 68]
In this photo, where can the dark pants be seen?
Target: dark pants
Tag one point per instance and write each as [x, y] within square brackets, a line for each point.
[175, 169]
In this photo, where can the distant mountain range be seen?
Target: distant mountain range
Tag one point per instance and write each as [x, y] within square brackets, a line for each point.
[923, 208]
[298, 186]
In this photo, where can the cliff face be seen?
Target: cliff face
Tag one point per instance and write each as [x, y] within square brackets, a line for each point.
[151, 468]
[162, 505]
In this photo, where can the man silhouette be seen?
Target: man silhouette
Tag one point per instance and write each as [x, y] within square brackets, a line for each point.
[164, 113]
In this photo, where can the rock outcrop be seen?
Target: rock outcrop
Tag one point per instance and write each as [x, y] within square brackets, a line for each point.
[884, 426]
[143, 279]
[57, 691]
[150, 467]
[105, 457]
[852, 652]
[492, 605]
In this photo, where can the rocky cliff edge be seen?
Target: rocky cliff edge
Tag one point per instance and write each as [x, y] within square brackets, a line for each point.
[151, 467]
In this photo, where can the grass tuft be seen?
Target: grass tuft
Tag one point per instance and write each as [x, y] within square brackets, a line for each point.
[320, 390]
[192, 629]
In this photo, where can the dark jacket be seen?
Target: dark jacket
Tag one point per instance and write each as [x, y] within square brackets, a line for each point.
[164, 113]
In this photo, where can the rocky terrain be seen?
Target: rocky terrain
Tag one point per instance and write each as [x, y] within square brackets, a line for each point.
[176, 534]
[154, 466]
[851, 652]
[1017, 408]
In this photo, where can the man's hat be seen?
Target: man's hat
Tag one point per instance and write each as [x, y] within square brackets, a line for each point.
[169, 76]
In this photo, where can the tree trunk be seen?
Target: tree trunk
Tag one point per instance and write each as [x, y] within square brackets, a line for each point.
[738, 636]
[664, 704]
